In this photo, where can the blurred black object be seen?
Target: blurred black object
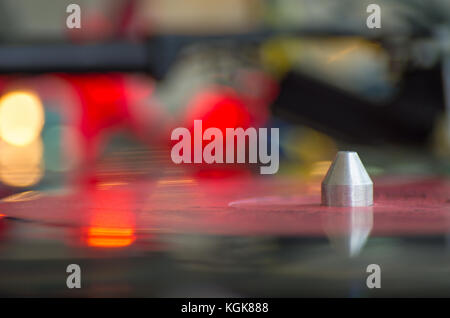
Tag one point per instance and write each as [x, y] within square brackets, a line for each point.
[408, 118]
[46, 58]
[155, 56]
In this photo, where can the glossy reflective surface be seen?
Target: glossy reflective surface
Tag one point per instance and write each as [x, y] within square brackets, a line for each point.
[195, 236]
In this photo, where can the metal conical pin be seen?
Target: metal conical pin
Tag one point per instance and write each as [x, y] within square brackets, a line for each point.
[347, 182]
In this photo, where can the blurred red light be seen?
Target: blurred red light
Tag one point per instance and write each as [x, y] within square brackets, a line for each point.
[219, 107]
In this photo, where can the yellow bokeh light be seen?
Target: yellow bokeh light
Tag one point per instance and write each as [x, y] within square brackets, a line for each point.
[21, 166]
[21, 117]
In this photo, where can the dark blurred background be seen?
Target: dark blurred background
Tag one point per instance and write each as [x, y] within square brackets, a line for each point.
[137, 69]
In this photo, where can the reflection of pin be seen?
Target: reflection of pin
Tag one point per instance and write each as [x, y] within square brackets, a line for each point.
[349, 229]
[347, 182]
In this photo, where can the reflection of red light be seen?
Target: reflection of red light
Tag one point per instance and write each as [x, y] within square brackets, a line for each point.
[221, 173]
[112, 221]
[110, 237]
[3, 227]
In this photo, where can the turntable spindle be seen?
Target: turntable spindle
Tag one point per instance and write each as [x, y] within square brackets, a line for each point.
[347, 182]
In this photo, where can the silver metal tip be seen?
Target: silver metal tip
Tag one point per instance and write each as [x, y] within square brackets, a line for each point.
[347, 182]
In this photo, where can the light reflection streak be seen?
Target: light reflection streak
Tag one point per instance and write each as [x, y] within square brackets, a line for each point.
[112, 221]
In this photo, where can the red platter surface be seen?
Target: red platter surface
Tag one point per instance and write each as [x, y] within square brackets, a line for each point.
[238, 206]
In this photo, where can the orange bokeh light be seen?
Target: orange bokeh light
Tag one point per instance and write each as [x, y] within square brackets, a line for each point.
[112, 222]
[110, 237]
